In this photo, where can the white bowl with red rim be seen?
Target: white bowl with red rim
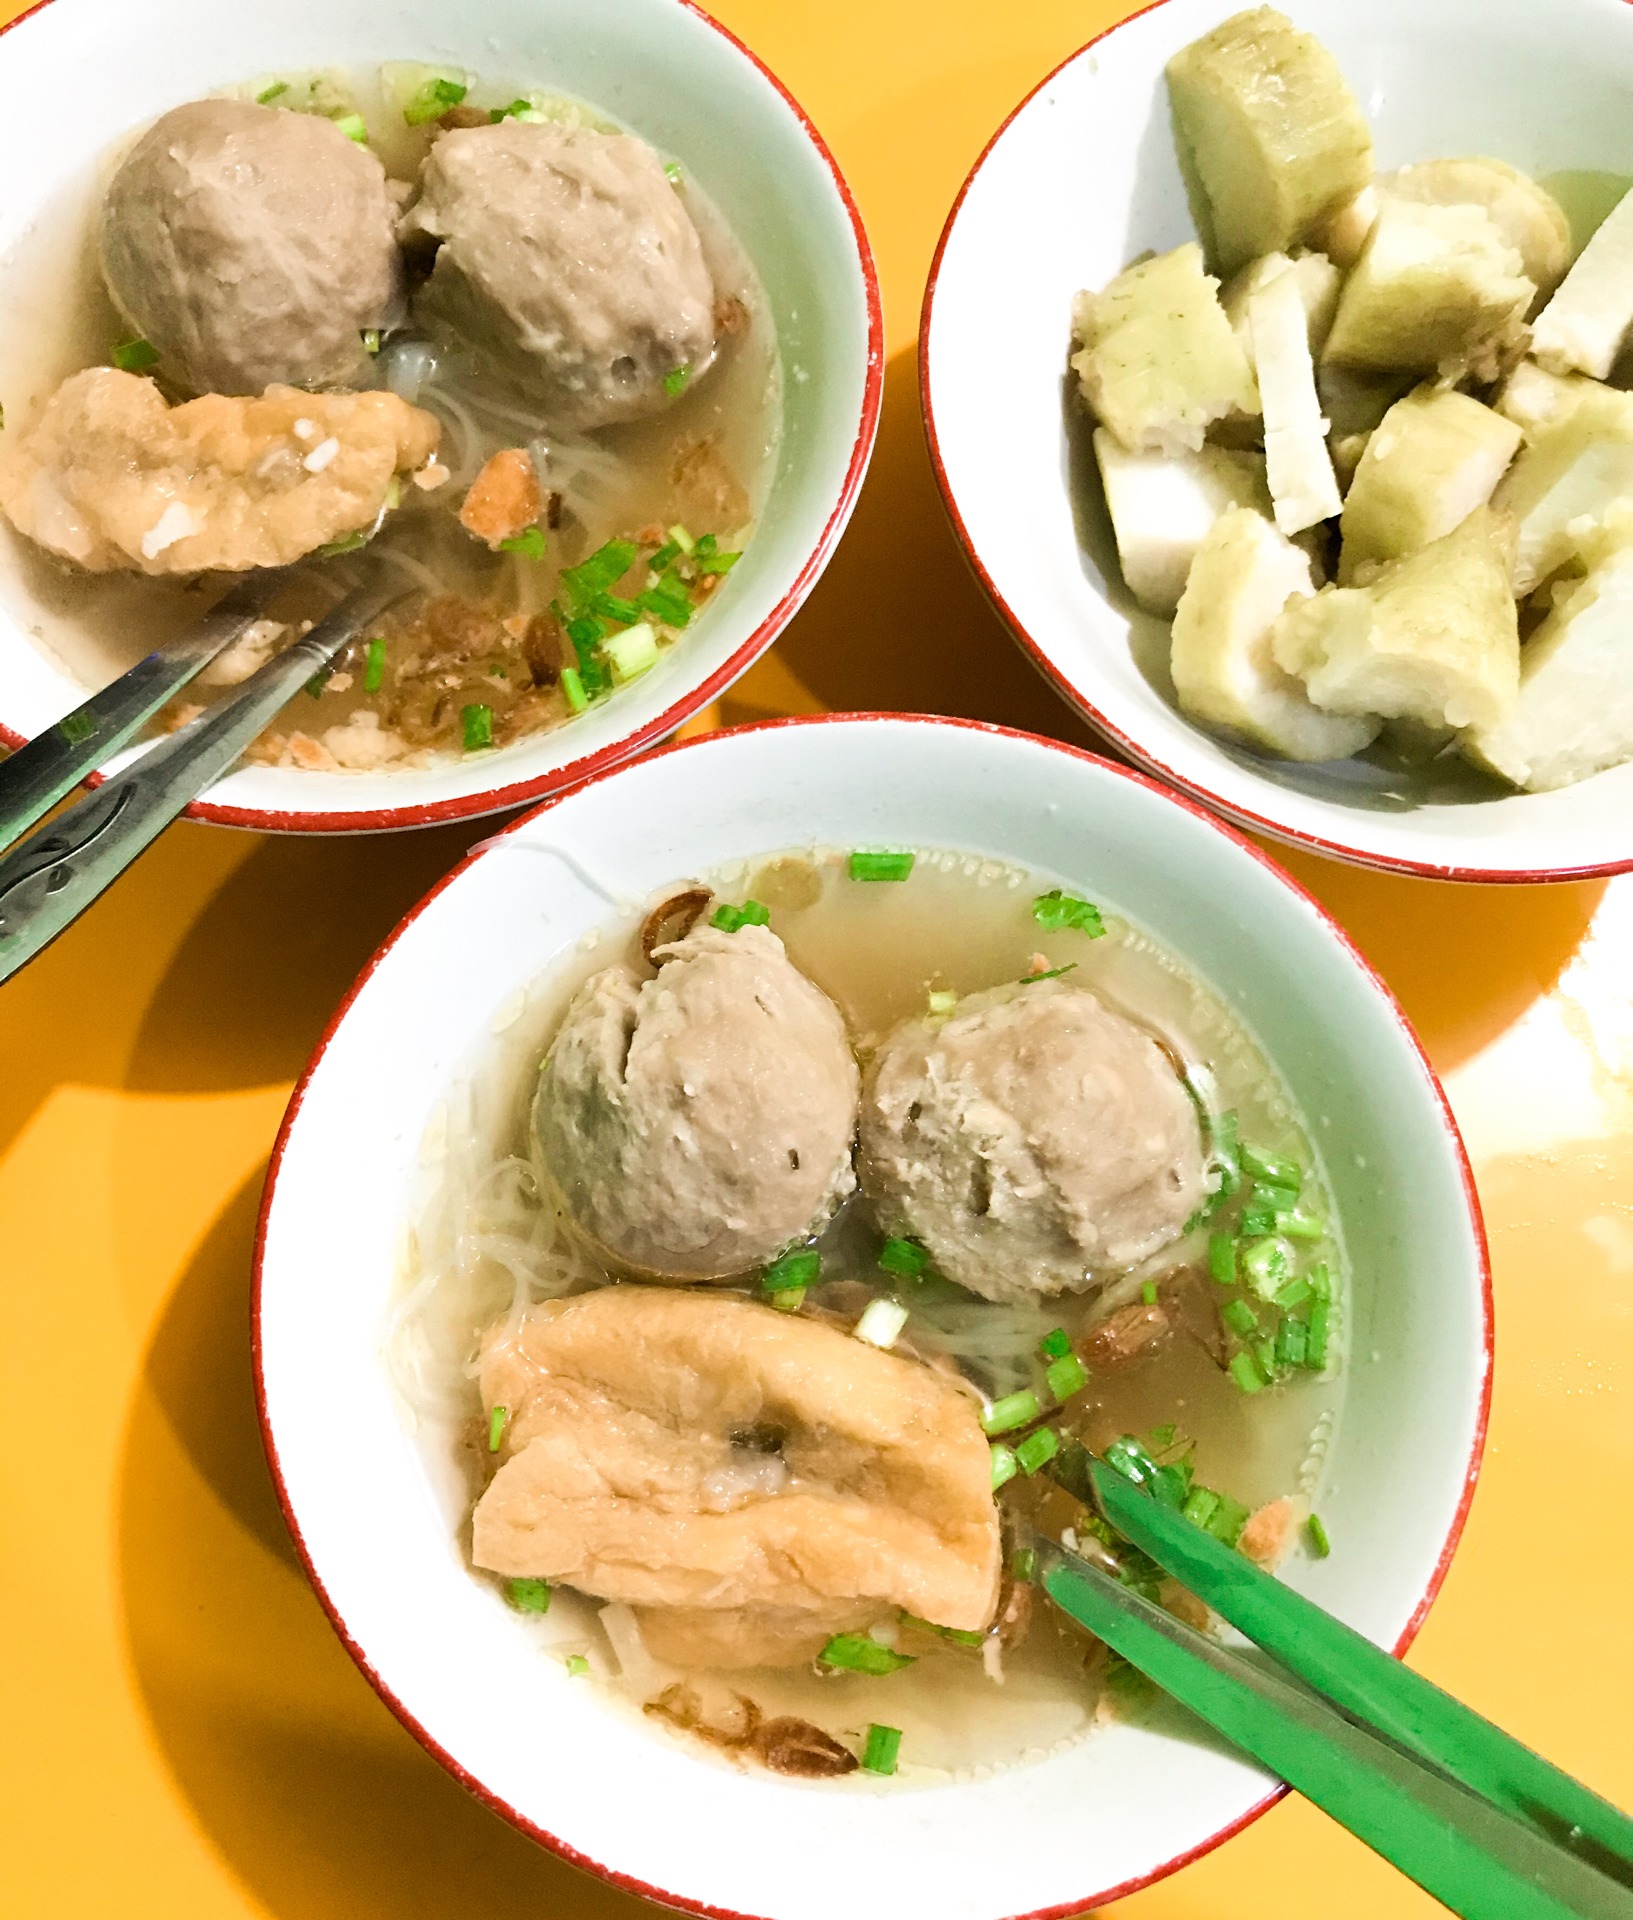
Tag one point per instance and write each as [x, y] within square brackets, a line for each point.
[661, 67]
[1079, 180]
[1124, 1805]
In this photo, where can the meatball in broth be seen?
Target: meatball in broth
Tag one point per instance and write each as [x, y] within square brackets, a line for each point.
[698, 1122]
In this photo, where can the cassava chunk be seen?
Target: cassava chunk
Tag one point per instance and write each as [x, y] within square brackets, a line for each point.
[1436, 290]
[1436, 457]
[1534, 398]
[1434, 638]
[1297, 463]
[1574, 714]
[1582, 328]
[1162, 505]
[1530, 219]
[1157, 359]
[1343, 234]
[1317, 280]
[1224, 675]
[1270, 130]
[1565, 483]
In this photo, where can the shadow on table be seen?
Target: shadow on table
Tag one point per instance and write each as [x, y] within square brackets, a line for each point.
[319, 1800]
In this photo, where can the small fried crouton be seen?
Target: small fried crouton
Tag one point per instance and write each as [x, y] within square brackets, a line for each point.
[504, 498]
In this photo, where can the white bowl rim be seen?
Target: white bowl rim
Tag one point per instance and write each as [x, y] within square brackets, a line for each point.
[494, 1801]
[1073, 695]
[573, 773]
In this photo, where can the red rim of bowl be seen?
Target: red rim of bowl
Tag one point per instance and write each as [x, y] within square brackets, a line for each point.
[468, 1780]
[560, 779]
[1073, 696]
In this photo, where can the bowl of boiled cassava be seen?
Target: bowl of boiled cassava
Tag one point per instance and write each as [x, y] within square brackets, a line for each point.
[1307, 475]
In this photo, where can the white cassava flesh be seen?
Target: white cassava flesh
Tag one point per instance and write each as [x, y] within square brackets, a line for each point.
[1565, 484]
[1157, 359]
[1318, 281]
[1273, 135]
[1436, 290]
[1435, 457]
[1582, 328]
[1529, 218]
[1574, 714]
[1162, 506]
[1434, 638]
[1224, 675]
[1297, 463]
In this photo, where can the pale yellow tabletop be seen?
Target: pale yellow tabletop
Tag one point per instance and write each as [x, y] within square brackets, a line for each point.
[180, 1733]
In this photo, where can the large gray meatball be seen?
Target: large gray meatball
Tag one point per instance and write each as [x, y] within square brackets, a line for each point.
[570, 262]
[1036, 1141]
[252, 247]
[698, 1123]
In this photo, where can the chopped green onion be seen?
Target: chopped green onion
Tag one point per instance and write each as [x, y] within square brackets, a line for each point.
[75, 727]
[614, 610]
[674, 381]
[1163, 1437]
[347, 543]
[1315, 1347]
[1222, 1258]
[1228, 1520]
[496, 1427]
[1240, 1318]
[603, 569]
[374, 666]
[789, 1300]
[1256, 1222]
[1037, 1449]
[1054, 973]
[528, 1596]
[318, 682]
[750, 914]
[371, 339]
[1127, 1457]
[683, 539]
[1299, 1225]
[882, 1745]
[1268, 1265]
[1245, 1373]
[514, 111]
[1172, 1484]
[1272, 1168]
[476, 726]
[1320, 1282]
[1054, 910]
[268, 94]
[881, 866]
[881, 1322]
[962, 1635]
[1200, 1508]
[858, 1653]
[433, 100]
[632, 652]
[666, 602]
[577, 1666]
[672, 173]
[1320, 1545]
[1294, 1294]
[941, 1004]
[1066, 1376]
[1056, 1344]
[1264, 1351]
[530, 543]
[903, 1256]
[1003, 1466]
[1292, 1342]
[572, 690]
[1023, 1563]
[135, 356]
[354, 126]
[796, 1269]
[1148, 1293]
[1012, 1411]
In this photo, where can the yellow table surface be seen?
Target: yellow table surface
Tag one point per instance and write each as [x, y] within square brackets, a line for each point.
[180, 1732]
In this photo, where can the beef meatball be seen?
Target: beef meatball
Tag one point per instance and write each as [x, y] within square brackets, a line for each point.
[252, 247]
[569, 262]
[699, 1122]
[1036, 1141]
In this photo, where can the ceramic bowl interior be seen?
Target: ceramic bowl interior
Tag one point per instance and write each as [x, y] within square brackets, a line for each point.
[660, 67]
[1123, 1805]
[1079, 181]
